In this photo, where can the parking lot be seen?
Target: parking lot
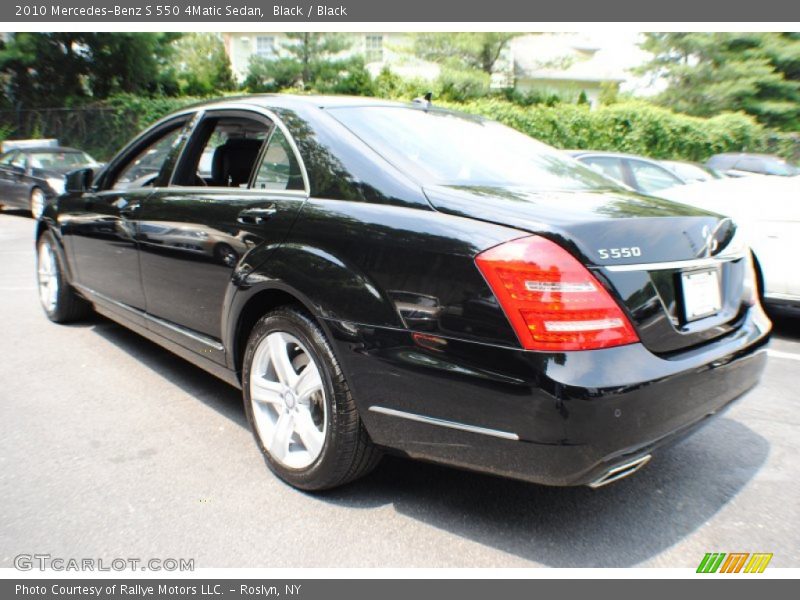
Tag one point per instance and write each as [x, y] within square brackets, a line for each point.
[112, 447]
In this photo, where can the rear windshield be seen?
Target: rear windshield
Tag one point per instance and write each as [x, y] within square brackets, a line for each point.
[451, 149]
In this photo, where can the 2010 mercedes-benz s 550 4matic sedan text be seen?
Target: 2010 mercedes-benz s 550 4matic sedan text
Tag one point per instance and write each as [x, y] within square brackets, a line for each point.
[380, 276]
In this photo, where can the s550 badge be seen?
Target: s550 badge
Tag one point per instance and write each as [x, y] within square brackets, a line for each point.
[620, 252]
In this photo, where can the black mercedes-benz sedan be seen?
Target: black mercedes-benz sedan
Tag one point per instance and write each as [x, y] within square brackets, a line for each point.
[29, 175]
[379, 276]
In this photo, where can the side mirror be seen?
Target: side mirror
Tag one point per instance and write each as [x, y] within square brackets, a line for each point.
[79, 181]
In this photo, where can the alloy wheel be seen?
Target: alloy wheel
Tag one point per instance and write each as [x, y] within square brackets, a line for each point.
[47, 271]
[37, 202]
[288, 401]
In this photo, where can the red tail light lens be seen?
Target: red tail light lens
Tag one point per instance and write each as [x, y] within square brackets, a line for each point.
[553, 302]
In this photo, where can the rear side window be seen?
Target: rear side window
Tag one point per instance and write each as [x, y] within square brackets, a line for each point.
[279, 168]
[606, 165]
[751, 164]
[652, 178]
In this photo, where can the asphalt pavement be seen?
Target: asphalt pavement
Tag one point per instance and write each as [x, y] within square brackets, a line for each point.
[111, 447]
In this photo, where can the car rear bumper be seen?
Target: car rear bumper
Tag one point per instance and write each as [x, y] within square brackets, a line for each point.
[555, 419]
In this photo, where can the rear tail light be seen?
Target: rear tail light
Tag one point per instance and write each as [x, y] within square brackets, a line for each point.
[552, 301]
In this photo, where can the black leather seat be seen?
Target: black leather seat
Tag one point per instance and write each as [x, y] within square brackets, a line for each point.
[233, 162]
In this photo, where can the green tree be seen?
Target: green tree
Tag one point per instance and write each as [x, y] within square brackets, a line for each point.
[201, 65]
[58, 69]
[40, 69]
[272, 74]
[313, 50]
[707, 73]
[130, 63]
[479, 51]
[311, 61]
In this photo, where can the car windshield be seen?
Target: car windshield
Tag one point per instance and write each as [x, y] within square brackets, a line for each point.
[59, 160]
[451, 149]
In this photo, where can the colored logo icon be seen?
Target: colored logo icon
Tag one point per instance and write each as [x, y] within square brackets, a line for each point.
[734, 562]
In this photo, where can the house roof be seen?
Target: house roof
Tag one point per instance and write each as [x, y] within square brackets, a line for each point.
[565, 57]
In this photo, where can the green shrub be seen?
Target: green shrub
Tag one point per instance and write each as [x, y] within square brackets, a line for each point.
[461, 85]
[635, 127]
[626, 126]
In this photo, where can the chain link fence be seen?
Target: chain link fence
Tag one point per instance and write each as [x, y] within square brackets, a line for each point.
[100, 131]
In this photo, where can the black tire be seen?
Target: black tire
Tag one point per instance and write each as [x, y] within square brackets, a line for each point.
[69, 306]
[225, 255]
[347, 452]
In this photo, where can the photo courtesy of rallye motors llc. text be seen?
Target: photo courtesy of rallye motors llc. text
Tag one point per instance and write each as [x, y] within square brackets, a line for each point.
[145, 591]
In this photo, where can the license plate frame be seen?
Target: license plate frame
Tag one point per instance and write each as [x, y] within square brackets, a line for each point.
[702, 293]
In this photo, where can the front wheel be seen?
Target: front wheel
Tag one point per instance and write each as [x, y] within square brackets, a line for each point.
[299, 406]
[36, 202]
[60, 302]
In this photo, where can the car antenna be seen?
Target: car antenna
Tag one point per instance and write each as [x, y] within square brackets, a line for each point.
[425, 101]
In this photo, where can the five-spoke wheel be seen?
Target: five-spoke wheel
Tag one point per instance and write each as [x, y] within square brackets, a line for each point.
[299, 404]
[288, 400]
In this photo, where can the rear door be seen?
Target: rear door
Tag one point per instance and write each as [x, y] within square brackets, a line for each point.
[236, 191]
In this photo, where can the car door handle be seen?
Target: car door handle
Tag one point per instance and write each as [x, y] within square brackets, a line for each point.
[256, 216]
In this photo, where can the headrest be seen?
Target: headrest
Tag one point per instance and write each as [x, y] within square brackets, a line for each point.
[234, 160]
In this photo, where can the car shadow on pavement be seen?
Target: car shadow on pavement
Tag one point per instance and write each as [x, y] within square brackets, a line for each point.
[786, 324]
[621, 525]
[211, 391]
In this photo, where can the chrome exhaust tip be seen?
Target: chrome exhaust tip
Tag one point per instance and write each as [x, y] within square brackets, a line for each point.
[620, 471]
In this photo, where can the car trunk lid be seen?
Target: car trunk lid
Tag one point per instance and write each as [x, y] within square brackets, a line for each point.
[677, 270]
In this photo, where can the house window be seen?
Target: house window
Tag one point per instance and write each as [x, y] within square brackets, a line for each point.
[373, 48]
[265, 46]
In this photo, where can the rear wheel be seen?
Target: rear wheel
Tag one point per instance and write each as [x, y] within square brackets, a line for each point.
[60, 302]
[299, 406]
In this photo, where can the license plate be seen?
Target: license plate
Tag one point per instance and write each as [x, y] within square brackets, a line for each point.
[701, 294]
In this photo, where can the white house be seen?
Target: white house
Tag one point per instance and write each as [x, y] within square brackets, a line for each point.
[563, 63]
[378, 49]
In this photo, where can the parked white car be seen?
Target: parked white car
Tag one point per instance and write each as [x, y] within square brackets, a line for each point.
[768, 211]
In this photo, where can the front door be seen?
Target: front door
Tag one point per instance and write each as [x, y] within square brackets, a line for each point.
[236, 190]
[100, 226]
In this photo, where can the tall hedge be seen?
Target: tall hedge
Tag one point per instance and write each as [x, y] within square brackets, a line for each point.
[635, 127]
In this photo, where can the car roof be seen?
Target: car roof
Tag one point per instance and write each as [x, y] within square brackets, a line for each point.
[610, 154]
[742, 154]
[48, 149]
[295, 101]
[289, 100]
